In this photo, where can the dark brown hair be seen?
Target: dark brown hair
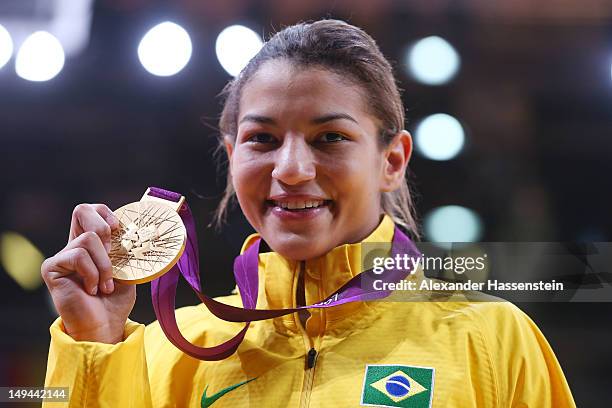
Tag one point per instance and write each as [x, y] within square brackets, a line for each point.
[350, 52]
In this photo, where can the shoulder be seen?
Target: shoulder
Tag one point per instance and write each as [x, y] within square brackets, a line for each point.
[519, 354]
[499, 321]
[499, 325]
[513, 342]
[471, 308]
[488, 310]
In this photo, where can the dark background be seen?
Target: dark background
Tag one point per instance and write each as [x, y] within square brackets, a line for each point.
[534, 94]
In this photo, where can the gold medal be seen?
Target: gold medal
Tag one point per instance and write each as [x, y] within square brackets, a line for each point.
[149, 242]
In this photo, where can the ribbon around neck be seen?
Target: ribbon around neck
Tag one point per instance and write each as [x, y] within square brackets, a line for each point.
[246, 273]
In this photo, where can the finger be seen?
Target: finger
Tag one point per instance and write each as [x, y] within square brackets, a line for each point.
[85, 218]
[92, 242]
[75, 260]
[108, 216]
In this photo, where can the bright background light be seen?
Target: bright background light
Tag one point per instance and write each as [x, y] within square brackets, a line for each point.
[235, 47]
[439, 137]
[432, 61]
[165, 49]
[6, 46]
[40, 57]
[452, 223]
[21, 260]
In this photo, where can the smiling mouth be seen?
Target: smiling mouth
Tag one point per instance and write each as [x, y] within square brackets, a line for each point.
[299, 205]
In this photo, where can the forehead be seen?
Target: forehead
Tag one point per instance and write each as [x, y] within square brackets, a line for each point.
[281, 88]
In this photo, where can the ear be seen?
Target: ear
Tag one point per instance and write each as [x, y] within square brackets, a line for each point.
[229, 148]
[397, 156]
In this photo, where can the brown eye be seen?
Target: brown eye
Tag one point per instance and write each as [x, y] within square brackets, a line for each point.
[331, 137]
[262, 138]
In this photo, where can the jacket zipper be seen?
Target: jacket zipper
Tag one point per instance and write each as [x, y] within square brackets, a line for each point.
[311, 355]
[311, 358]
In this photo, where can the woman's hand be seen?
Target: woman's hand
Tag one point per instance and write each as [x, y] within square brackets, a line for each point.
[93, 307]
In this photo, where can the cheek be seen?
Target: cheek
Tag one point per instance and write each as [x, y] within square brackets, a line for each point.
[352, 177]
[250, 174]
[244, 163]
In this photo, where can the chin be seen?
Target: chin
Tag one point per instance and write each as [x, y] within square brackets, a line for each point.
[297, 248]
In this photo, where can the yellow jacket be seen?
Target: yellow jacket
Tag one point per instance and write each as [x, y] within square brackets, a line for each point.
[406, 354]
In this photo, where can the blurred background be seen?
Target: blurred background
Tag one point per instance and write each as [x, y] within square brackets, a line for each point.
[509, 103]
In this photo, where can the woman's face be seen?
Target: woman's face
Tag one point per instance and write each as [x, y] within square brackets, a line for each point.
[306, 166]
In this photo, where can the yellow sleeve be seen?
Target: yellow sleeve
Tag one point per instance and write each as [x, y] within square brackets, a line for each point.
[98, 374]
[528, 373]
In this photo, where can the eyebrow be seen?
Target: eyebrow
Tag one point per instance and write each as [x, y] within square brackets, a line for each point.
[316, 121]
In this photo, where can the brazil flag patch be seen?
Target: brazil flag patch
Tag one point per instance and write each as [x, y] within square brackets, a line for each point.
[398, 386]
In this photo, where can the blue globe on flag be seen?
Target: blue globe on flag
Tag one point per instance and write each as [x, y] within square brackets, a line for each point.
[398, 386]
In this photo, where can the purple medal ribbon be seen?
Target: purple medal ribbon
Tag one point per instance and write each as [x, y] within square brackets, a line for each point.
[163, 289]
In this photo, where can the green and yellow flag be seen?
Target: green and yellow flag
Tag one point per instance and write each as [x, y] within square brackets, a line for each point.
[398, 386]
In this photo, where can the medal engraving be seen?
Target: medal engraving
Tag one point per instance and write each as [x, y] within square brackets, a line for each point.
[150, 241]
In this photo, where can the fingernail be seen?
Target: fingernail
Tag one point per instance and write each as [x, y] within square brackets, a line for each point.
[94, 291]
[109, 286]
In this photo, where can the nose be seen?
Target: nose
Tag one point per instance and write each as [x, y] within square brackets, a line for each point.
[294, 161]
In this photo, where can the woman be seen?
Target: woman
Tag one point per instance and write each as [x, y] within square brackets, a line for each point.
[313, 129]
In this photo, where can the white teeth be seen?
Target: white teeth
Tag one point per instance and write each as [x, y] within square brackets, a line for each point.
[297, 205]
